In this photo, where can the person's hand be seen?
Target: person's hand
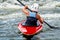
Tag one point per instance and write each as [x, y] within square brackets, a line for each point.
[26, 6]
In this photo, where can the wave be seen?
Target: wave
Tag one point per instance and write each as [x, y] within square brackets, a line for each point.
[9, 6]
[11, 16]
[51, 16]
[50, 5]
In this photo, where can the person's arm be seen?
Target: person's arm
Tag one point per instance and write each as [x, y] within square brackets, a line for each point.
[40, 18]
[25, 10]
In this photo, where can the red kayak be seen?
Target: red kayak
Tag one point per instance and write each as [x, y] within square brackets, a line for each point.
[29, 30]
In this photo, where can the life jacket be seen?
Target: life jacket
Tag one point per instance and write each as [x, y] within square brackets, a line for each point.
[31, 19]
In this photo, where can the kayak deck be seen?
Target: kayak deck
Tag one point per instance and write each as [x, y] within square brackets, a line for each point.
[29, 30]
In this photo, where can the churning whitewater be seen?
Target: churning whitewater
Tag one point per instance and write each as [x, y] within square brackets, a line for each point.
[11, 14]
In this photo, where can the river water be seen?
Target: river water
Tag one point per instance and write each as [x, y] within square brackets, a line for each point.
[10, 17]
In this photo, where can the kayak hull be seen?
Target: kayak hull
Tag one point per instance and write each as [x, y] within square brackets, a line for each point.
[29, 30]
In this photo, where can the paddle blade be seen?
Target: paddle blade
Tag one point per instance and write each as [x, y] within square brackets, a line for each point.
[55, 27]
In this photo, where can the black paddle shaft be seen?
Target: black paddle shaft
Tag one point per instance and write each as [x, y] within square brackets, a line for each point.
[24, 5]
[48, 24]
[51, 26]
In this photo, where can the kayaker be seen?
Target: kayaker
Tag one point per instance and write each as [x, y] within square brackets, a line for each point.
[32, 17]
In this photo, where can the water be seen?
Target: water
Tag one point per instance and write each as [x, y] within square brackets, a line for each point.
[10, 16]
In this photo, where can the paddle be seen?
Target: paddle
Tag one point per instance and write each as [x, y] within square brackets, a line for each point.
[24, 5]
[36, 12]
[51, 26]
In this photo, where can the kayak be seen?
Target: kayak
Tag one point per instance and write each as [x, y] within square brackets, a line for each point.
[29, 30]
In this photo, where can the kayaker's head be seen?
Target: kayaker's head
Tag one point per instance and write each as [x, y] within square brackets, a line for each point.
[35, 7]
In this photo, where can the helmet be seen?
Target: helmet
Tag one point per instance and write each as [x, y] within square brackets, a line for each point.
[35, 7]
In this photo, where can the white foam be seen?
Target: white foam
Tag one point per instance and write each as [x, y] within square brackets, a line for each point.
[50, 5]
[13, 15]
[51, 15]
[8, 6]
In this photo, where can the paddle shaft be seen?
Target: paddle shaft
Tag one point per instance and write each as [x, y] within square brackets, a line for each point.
[47, 24]
[24, 5]
[36, 12]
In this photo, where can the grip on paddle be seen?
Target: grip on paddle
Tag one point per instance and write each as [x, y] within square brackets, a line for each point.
[24, 5]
